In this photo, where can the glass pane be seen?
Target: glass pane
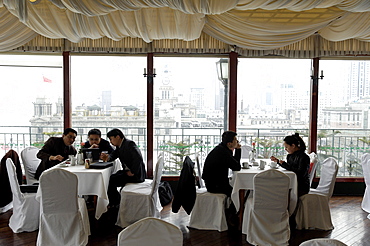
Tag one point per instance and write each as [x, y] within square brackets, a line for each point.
[32, 85]
[189, 112]
[109, 92]
[344, 114]
[273, 101]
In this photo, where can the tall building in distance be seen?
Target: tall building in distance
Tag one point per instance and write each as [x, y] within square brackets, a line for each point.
[106, 102]
[358, 80]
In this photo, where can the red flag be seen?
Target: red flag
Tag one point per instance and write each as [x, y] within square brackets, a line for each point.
[46, 79]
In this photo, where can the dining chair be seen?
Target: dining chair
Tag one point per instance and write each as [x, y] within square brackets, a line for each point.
[63, 216]
[313, 164]
[185, 193]
[140, 201]
[246, 149]
[365, 163]
[323, 242]
[266, 215]
[5, 189]
[150, 231]
[208, 212]
[313, 210]
[26, 209]
[30, 163]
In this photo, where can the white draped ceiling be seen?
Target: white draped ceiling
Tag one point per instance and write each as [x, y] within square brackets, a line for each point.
[245, 24]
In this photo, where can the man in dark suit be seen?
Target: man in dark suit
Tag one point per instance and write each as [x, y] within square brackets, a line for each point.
[216, 171]
[56, 150]
[95, 141]
[132, 165]
[217, 164]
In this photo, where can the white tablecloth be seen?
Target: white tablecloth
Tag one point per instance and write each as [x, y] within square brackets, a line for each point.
[93, 182]
[243, 179]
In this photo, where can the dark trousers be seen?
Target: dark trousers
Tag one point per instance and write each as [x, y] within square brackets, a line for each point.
[118, 179]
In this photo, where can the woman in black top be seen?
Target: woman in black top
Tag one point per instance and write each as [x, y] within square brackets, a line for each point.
[297, 161]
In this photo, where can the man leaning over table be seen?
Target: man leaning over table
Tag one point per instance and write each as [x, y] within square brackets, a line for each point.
[132, 165]
[95, 141]
[56, 150]
[223, 157]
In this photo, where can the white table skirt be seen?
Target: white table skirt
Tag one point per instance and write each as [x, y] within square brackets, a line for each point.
[243, 179]
[93, 182]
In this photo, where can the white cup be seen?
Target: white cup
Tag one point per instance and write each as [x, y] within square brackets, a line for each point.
[273, 164]
[262, 164]
[245, 165]
[72, 159]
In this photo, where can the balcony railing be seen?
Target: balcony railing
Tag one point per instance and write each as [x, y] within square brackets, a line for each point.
[346, 145]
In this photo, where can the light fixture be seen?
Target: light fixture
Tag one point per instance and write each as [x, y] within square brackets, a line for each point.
[149, 74]
[34, 1]
[313, 76]
[223, 70]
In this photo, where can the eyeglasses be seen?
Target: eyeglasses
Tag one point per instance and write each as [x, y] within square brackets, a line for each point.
[94, 139]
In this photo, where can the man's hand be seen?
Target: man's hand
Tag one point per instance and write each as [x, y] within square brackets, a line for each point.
[56, 158]
[94, 146]
[104, 156]
[129, 173]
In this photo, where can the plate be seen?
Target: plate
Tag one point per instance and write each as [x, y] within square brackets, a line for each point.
[64, 165]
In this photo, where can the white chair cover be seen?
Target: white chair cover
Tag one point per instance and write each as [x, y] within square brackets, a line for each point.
[329, 170]
[150, 231]
[209, 209]
[323, 242]
[140, 200]
[246, 149]
[313, 208]
[314, 161]
[365, 162]
[26, 209]
[64, 219]
[266, 215]
[30, 163]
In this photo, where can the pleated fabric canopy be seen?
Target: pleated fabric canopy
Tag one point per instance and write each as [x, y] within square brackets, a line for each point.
[241, 25]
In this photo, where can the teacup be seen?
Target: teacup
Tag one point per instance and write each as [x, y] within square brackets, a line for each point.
[273, 164]
[245, 165]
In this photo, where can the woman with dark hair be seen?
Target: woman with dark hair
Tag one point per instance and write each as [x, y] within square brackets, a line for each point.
[297, 161]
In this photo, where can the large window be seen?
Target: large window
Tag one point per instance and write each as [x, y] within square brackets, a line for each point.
[109, 92]
[31, 86]
[343, 120]
[188, 109]
[273, 101]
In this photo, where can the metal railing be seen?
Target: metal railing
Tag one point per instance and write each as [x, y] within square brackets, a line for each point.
[346, 145]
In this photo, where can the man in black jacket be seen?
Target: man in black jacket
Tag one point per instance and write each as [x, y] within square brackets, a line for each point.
[216, 171]
[217, 164]
[132, 165]
[56, 150]
[95, 141]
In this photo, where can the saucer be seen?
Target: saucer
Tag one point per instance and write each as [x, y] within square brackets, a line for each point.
[64, 165]
[274, 167]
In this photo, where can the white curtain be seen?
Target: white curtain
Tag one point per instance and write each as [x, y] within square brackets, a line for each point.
[255, 25]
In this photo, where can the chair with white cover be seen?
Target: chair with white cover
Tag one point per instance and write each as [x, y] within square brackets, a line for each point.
[30, 163]
[246, 149]
[150, 231]
[266, 215]
[64, 219]
[26, 209]
[365, 163]
[140, 201]
[323, 242]
[209, 209]
[313, 208]
[313, 164]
